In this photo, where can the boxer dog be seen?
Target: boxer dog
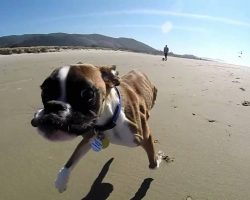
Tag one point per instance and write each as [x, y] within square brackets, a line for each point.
[90, 101]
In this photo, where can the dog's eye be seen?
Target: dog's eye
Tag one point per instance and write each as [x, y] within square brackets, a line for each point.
[87, 94]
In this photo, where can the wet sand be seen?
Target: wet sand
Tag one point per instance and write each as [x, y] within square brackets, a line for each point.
[198, 119]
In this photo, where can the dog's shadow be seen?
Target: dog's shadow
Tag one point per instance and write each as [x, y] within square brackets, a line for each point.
[143, 189]
[101, 191]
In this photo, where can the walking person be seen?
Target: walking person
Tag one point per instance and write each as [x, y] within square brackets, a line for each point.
[166, 52]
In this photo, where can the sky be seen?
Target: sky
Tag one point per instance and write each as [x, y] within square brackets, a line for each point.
[218, 29]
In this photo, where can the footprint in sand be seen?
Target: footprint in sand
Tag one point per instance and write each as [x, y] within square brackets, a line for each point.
[164, 157]
[211, 120]
[246, 103]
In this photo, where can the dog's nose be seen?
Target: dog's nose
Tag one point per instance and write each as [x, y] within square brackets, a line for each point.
[34, 122]
[55, 106]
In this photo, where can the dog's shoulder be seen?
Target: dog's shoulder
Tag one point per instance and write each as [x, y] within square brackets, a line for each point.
[137, 85]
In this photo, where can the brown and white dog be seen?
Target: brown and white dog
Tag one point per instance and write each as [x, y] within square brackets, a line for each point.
[82, 99]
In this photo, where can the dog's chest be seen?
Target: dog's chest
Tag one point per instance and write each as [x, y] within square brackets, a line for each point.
[121, 134]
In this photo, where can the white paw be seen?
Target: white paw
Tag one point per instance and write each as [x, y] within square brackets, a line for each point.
[62, 179]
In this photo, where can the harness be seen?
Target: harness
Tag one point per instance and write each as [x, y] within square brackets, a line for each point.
[112, 122]
[100, 141]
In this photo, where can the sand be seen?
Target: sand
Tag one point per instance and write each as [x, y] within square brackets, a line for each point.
[198, 119]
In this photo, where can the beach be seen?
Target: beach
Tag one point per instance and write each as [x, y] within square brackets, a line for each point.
[198, 120]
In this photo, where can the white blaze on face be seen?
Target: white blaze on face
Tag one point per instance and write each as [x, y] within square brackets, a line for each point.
[62, 74]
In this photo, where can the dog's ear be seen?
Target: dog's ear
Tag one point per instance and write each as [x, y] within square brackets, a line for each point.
[110, 75]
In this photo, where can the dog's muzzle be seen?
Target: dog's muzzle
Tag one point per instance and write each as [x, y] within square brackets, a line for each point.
[53, 116]
[59, 116]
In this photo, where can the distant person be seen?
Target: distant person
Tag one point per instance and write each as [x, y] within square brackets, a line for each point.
[166, 52]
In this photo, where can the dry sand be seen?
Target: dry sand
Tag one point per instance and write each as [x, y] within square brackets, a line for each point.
[198, 120]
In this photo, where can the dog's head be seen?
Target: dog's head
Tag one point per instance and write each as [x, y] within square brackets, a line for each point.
[73, 97]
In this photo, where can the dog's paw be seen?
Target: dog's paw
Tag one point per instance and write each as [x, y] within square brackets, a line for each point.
[62, 179]
[156, 164]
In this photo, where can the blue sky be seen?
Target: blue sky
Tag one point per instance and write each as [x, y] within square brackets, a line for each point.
[217, 29]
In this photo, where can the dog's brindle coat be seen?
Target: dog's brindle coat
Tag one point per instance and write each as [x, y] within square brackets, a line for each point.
[77, 97]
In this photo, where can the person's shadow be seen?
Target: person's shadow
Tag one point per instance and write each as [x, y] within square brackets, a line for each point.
[99, 190]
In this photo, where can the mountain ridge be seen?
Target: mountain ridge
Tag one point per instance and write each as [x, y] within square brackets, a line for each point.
[50, 42]
[84, 40]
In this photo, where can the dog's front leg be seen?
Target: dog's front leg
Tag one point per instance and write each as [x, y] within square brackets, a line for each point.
[64, 173]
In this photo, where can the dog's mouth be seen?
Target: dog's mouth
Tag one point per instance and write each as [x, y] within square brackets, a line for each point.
[58, 125]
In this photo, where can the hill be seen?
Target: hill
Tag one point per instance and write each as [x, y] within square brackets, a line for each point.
[82, 40]
[40, 43]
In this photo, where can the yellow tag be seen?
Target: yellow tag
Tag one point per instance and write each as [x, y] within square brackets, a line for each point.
[105, 142]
